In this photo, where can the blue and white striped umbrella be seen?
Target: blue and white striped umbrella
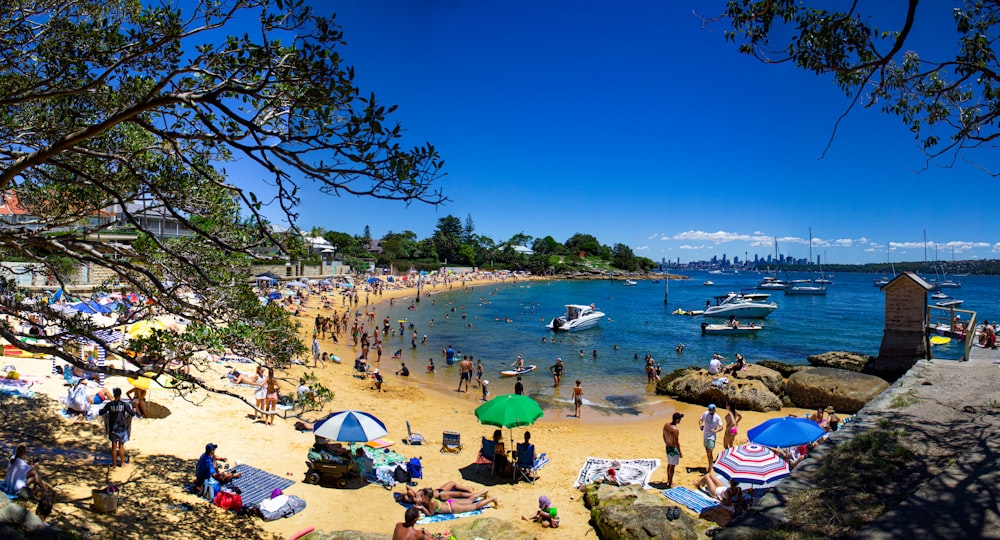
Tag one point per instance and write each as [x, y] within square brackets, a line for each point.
[349, 427]
[751, 464]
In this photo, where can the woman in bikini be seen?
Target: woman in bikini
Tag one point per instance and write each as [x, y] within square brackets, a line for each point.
[733, 418]
[271, 399]
[450, 490]
[431, 506]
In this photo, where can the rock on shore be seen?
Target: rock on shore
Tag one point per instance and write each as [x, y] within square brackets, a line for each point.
[632, 513]
[841, 360]
[846, 391]
[753, 394]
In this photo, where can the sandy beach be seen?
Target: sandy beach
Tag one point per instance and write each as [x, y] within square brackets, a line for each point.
[161, 449]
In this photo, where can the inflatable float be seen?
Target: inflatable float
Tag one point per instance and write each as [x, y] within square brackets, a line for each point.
[515, 372]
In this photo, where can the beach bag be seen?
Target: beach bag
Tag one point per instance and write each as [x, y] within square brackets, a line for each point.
[228, 500]
[401, 475]
[414, 468]
[293, 505]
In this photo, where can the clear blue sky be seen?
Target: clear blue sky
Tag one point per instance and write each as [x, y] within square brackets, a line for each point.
[631, 122]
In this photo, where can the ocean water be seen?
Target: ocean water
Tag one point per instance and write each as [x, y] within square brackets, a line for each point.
[500, 321]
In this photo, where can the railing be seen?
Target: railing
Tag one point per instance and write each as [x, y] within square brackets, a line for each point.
[949, 321]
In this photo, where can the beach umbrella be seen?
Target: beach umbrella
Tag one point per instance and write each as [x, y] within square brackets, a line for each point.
[150, 380]
[509, 411]
[751, 464]
[298, 284]
[274, 295]
[144, 327]
[786, 431]
[350, 427]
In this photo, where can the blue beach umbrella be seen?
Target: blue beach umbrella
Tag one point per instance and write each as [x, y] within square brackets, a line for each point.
[786, 431]
[350, 427]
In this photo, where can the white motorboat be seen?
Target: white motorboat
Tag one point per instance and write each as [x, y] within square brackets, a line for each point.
[708, 283]
[954, 302]
[805, 288]
[940, 296]
[881, 282]
[949, 284]
[730, 330]
[631, 283]
[577, 317]
[771, 283]
[739, 306]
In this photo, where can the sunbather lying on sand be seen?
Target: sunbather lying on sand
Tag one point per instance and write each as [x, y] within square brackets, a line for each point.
[449, 490]
[429, 505]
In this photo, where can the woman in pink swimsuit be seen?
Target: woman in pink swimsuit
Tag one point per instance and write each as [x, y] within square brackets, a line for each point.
[733, 418]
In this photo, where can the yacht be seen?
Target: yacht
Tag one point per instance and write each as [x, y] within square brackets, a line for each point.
[737, 305]
[771, 283]
[577, 317]
[805, 288]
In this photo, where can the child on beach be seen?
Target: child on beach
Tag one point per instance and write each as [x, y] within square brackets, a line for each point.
[546, 514]
[486, 390]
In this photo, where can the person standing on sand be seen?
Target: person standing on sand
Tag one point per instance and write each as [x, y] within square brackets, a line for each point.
[577, 398]
[465, 375]
[118, 426]
[733, 418]
[710, 424]
[672, 441]
[486, 390]
[479, 372]
[519, 387]
[557, 371]
[316, 351]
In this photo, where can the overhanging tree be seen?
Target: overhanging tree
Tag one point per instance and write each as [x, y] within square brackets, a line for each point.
[950, 100]
[118, 107]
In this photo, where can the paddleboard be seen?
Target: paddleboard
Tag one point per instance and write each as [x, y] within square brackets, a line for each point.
[515, 372]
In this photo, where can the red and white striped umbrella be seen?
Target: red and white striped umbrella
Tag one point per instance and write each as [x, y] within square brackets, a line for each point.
[751, 464]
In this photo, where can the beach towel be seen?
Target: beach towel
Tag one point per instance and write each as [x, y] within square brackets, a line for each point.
[630, 471]
[695, 501]
[380, 443]
[439, 517]
[256, 485]
[16, 387]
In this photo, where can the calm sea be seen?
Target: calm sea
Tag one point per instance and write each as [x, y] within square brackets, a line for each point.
[498, 322]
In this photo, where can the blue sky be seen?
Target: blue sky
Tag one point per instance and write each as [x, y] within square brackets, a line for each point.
[631, 122]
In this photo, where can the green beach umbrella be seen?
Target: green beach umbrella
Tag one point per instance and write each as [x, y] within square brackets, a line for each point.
[509, 411]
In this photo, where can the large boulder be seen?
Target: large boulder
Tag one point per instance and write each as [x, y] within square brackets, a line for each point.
[749, 395]
[846, 391]
[784, 369]
[841, 360]
[771, 378]
[632, 513]
[493, 528]
[661, 385]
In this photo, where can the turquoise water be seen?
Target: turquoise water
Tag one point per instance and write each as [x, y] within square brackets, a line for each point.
[850, 317]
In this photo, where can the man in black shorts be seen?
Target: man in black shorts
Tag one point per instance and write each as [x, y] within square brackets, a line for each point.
[466, 376]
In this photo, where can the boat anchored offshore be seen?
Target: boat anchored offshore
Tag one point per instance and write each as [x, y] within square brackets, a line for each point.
[737, 305]
[577, 317]
[729, 329]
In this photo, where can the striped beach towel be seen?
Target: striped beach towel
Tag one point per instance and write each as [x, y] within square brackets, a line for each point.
[696, 501]
[256, 484]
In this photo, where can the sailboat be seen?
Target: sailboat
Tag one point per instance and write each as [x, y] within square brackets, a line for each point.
[883, 281]
[823, 278]
[806, 287]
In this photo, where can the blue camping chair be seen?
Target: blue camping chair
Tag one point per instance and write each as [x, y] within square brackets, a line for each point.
[487, 454]
[524, 467]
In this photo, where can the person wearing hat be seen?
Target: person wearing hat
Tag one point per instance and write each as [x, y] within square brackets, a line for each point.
[672, 442]
[547, 515]
[710, 424]
[208, 468]
[377, 377]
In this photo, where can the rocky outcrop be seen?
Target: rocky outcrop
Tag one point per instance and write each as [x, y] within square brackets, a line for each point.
[696, 387]
[632, 513]
[661, 385]
[784, 369]
[493, 528]
[841, 360]
[772, 379]
[846, 391]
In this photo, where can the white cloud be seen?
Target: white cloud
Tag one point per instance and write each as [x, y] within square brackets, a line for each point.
[686, 246]
[721, 237]
[654, 235]
[846, 242]
[641, 248]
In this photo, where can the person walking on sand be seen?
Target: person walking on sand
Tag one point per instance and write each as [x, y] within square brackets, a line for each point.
[672, 442]
[316, 351]
[118, 426]
[465, 375]
[577, 398]
[710, 424]
[557, 372]
[479, 372]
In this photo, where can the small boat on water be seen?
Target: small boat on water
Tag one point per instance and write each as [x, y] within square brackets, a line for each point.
[631, 282]
[577, 317]
[805, 288]
[737, 305]
[940, 296]
[881, 282]
[730, 330]
[954, 302]
[680, 311]
[771, 283]
[708, 283]
[516, 372]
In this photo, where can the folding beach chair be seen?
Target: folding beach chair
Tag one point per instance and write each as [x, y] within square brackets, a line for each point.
[451, 442]
[524, 467]
[486, 454]
[411, 437]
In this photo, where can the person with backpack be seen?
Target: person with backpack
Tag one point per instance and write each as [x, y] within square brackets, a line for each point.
[118, 426]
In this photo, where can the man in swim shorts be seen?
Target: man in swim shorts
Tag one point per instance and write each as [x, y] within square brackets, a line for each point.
[710, 424]
[557, 371]
[465, 366]
[672, 441]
